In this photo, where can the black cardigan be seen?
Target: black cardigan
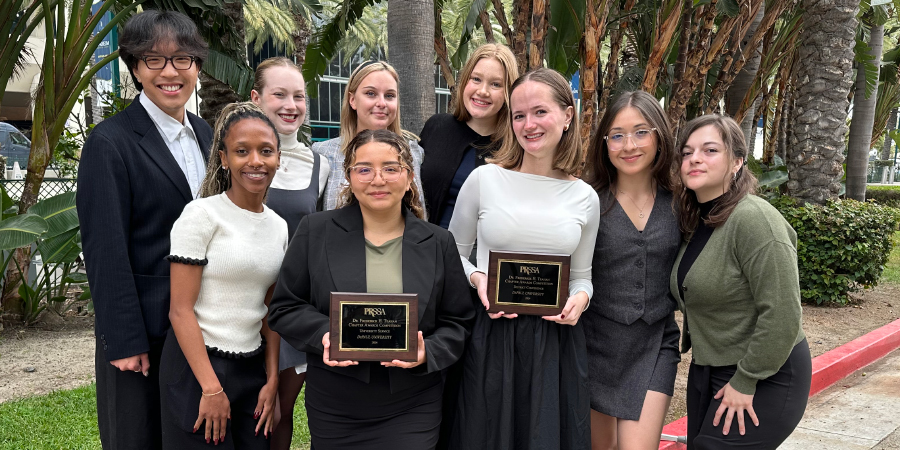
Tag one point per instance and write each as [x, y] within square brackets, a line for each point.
[445, 140]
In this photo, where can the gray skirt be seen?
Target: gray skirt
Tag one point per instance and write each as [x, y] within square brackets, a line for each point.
[289, 357]
[626, 361]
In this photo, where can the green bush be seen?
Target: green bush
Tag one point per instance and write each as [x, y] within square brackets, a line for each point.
[884, 195]
[842, 247]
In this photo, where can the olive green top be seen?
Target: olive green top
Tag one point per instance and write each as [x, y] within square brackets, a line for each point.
[741, 297]
[384, 267]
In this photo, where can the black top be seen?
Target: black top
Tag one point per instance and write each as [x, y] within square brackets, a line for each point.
[294, 205]
[445, 141]
[697, 243]
[130, 192]
[328, 254]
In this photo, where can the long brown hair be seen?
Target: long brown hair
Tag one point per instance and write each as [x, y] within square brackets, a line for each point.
[743, 183]
[599, 170]
[569, 155]
[217, 179]
[505, 57]
[411, 197]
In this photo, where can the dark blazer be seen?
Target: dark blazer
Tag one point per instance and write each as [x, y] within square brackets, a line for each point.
[130, 192]
[445, 140]
[327, 254]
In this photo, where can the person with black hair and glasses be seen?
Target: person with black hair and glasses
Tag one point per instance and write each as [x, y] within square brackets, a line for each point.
[138, 170]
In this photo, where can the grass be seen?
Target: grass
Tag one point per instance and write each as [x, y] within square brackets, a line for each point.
[67, 420]
[892, 268]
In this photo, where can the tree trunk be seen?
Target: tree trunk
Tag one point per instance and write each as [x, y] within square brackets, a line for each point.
[663, 37]
[521, 30]
[886, 148]
[539, 22]
[301, 37]
[500, 15]
[410, 23]
[440, 48]
[820, 112]
[862, 122]
[594, 28]
[214, 94]
[485, 26]
[741, 83]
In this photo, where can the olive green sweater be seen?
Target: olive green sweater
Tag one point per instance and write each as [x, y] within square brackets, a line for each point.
[741, 297]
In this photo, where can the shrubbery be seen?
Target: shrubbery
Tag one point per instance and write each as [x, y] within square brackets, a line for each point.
[884, 195]
[841, 247]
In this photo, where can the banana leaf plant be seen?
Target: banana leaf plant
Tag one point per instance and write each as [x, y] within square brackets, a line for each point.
[51, 225]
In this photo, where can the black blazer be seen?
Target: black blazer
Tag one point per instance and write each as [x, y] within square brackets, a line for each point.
[130, 192]
[327, 254]
[445, 140]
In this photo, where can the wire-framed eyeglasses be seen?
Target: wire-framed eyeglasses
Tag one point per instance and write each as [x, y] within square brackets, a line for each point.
[159, 62]
[366, 174]
[639, 138]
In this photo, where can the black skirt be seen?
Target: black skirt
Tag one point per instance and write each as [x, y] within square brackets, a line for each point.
[524, 387]
[345, 413]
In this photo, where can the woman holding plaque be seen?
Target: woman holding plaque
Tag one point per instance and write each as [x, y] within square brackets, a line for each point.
[219, 367]
[737, 282]
[455, 144]
[525, 381]
[371, 102]
[632, 337]
[279, 90]
[376, 243]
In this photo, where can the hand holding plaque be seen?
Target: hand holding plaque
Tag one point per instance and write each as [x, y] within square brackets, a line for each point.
[373, 327]
[528, 283]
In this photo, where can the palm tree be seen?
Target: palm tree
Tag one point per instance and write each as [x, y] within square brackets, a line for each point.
[410, 24]
[819, 118]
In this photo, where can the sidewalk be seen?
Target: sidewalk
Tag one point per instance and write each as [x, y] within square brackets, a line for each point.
[861, 411]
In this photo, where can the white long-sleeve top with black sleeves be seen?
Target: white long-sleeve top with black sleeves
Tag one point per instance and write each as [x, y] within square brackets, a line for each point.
[242, 253]
[513, 211]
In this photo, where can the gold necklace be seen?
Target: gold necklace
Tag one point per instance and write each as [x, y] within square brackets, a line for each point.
[640, 208]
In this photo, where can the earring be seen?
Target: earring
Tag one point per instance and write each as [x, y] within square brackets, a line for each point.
[566, 128]
[734, 178]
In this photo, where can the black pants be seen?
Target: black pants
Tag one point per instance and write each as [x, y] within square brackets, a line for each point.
[241, 379]
[128, 403]
[779, 403]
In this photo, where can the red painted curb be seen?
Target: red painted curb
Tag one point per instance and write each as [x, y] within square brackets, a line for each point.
[827, 368]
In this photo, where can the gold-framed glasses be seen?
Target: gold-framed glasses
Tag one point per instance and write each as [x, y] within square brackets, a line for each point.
[366, 174]
[639, 138]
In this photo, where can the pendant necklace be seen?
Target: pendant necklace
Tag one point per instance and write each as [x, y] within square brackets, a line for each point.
[640, 208]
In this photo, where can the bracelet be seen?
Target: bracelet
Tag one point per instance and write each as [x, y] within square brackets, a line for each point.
[210, 395]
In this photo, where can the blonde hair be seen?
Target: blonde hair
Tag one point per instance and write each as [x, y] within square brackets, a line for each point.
[506, 59]
[411, 197]
[349, 115]
[569, 154]
[259, 77]
[217, 179]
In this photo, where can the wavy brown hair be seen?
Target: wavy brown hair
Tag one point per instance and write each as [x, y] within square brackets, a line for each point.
[505, 57]
[599, 170]
[411, 197]
[740, 185]
[569, 155]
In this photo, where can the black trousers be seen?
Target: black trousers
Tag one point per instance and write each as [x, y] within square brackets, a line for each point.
[779, 403]
[128, 403]
[241, 378]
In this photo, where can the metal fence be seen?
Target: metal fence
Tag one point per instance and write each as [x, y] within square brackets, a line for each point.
[49, 188]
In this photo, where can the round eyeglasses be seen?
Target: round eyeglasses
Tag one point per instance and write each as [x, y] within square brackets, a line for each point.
[366, 174]
[639, 138]
[159, 62]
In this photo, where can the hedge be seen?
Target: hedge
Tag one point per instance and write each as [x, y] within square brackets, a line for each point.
[884, 195]
[842, 247]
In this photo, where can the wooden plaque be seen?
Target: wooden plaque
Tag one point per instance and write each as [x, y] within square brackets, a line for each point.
[374, 327]
[528, 283]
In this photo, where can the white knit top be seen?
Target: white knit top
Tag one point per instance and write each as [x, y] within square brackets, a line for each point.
[242, 252]
[513, 211]
[296, 166]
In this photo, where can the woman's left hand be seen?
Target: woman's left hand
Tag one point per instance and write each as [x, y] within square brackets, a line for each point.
[736, 404]
[409, 365]
[265, 407]
[572, 312]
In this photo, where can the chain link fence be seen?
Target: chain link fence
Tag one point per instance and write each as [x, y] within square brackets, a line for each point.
[49, 188]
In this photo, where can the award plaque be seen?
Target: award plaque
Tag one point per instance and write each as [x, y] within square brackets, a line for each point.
[528, 283]
[374, 327]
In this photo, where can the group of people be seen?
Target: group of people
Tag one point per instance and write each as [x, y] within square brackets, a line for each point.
[212, 254]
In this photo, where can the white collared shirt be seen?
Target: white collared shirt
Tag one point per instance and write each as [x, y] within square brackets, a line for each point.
[182, 142]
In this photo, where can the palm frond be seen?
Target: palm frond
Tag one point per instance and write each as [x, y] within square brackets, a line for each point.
[264, 21]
